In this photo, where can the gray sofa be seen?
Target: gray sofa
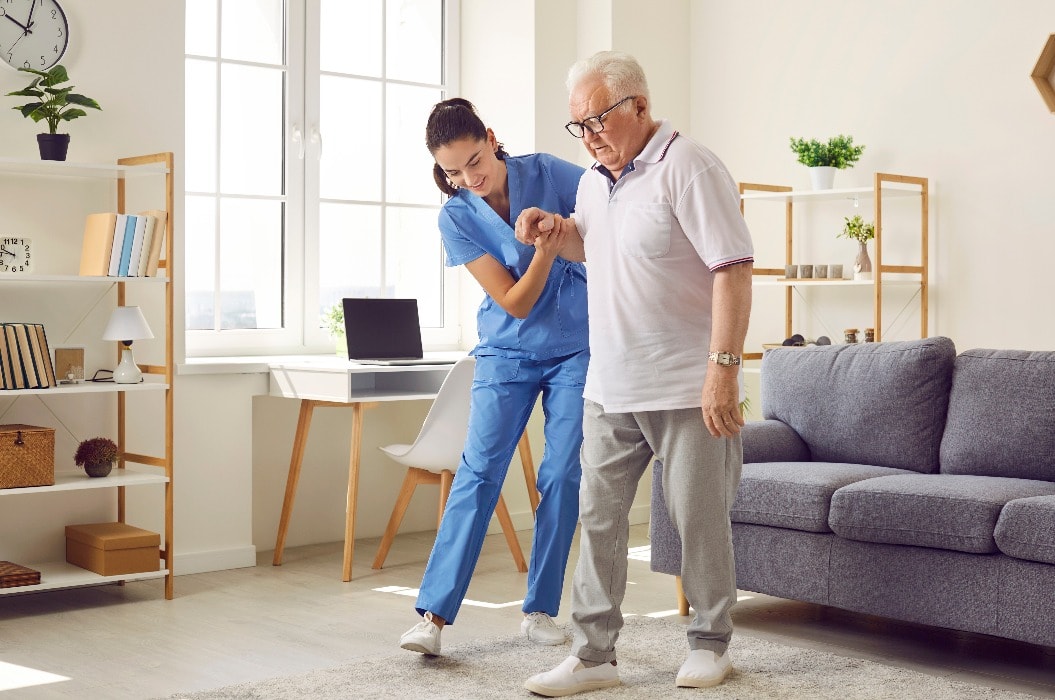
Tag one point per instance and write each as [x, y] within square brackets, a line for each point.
[901, 480]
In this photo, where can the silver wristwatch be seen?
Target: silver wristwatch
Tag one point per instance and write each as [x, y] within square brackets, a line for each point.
[725, 359]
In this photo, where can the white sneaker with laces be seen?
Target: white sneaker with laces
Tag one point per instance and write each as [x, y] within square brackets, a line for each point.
[571, 677]
[423, 637]
[704, 669]
[541, 629]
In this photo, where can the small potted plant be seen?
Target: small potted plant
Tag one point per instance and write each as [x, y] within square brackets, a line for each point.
[96, 455]
[857, 229]
[823, 159]
[333, 322]
[52, 104]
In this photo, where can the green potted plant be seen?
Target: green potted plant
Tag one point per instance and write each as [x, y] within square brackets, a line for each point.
[52, 104]
[855, 228]
[333, 322]
[823, 159]
[96, 455]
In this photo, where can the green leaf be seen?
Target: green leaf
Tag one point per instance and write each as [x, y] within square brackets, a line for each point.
[75, 99]
[72, 114]
[29, 109]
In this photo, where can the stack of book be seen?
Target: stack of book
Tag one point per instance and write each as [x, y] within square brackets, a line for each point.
[123, 245]
[25, 359]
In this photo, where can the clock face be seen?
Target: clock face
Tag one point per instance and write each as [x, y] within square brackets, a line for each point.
[33, 33]
[16, 255]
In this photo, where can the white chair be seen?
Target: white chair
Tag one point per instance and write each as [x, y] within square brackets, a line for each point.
[436, 454]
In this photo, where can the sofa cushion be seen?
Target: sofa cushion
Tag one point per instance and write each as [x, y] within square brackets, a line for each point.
[943, 511]
[1001, 419]
[795, 495]
[772, 441]
[869, 403]
[1026, 529]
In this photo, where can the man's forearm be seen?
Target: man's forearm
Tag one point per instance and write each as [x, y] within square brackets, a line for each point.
[573, 248]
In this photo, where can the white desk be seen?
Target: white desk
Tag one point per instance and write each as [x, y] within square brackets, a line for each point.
[328, 381]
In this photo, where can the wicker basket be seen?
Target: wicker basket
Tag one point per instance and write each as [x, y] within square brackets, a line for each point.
[12, 575]
[27, 456]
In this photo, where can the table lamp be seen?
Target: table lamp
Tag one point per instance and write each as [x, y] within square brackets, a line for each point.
[127, 324]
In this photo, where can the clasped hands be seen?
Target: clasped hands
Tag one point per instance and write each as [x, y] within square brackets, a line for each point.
[541, 229]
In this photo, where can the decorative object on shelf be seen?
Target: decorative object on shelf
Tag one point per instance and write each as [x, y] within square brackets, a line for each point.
[110, 549]
[823, 159]
[333, 322]
[12, 575]
[25, 360]
[27, 456]
[126, 325]
[36, 35]
[820, 272]
[856, 229]
[96, 455]
[806, 272]
[835, 271]
[69, 365]
[850, 336]
[16, 254]
[53, 105]
[791, 272]
[870, 335]
[1044, 73]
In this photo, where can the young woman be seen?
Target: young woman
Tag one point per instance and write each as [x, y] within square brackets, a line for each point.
[532, 339]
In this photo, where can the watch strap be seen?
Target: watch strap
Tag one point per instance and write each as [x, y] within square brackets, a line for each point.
[725, 359]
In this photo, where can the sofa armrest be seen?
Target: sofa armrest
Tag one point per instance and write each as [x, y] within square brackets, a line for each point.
[773, 441]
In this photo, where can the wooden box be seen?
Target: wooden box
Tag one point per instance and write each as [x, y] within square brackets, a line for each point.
[27, 456]
[113, 548]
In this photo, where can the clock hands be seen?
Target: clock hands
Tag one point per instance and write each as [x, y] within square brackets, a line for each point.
[3, 249]
[24, 28]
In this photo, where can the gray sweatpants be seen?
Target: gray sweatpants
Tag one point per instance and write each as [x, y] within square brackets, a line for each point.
[700, 477]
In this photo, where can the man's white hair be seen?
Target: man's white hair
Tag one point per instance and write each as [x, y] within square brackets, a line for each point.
[620, 72]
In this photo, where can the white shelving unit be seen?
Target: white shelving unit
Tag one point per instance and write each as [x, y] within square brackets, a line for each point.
[146, 469]
[885, 187]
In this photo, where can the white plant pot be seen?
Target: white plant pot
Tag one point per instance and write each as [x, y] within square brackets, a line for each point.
[822, 177]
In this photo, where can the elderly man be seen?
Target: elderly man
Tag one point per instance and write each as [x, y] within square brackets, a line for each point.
[670, 262]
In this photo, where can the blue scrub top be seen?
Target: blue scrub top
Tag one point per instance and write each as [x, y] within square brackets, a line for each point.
[556, 325]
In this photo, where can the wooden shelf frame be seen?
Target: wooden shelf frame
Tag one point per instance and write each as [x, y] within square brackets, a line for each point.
[885, 186]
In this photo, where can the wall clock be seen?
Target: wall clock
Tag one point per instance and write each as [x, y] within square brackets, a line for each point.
[33, 33]
[16, 255]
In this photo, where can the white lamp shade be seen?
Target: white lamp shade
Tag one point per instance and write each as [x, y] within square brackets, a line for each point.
[127, 323]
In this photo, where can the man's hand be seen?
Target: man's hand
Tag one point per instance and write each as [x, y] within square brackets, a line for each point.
[721, 408]
[533, 222]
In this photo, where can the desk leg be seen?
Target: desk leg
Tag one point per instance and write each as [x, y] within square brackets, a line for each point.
[295, 462]
[353, 489]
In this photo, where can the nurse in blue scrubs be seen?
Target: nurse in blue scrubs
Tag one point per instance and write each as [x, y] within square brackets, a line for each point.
[532, 339]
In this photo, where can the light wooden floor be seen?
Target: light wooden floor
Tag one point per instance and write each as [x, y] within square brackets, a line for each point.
[249, 624]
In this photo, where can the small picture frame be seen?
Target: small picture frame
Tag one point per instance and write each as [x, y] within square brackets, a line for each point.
[69, 365]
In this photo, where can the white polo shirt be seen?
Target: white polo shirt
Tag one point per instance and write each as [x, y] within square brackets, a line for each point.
[653, 242]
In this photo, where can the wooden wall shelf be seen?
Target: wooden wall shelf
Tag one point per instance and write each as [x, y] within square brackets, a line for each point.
[1044, 73]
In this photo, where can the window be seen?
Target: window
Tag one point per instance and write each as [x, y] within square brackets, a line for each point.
[307, 177]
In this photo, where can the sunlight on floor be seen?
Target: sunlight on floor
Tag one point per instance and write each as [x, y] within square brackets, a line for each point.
[13, 677]
[413, 593]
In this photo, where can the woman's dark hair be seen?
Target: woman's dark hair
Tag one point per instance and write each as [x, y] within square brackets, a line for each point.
[450, 121]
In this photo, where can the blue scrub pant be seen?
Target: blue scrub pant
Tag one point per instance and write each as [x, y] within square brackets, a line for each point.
[503, 395]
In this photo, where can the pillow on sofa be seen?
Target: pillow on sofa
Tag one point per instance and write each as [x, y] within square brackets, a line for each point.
[1001, 419]
[874, 403]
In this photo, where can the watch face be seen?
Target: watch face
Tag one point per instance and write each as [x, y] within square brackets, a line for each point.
[33, 33]
[16, 255]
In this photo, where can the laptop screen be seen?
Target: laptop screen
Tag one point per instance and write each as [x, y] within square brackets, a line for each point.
[382, 329]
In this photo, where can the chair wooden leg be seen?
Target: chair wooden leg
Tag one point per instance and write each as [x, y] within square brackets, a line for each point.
[511, 535]
[683, 602]
[446, 478]
[410, 482]
[529, 470]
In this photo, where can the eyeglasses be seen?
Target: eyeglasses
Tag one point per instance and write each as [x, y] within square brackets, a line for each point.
[594, 125]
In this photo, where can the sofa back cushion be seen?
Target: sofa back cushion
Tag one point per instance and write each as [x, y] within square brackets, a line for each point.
[872, 403]
[1001, 418]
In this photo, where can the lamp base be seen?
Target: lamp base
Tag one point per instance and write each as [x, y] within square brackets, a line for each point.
[127, 372]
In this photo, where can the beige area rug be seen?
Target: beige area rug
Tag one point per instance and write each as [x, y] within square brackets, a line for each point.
[650, 652]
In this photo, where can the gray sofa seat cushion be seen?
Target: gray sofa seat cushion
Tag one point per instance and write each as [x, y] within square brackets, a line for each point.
[872, 403]
[772, 441]
[1026, 529]
[943, 511]
[796, 495]
[1001, 419]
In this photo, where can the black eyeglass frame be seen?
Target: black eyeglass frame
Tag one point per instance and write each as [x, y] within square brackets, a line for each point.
[583, 126]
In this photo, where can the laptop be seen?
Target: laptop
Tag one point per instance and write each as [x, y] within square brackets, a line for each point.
[384, 332]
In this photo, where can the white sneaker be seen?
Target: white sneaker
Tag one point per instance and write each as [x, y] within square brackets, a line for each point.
[571, 677]
[704, 669]
[423, 637]
[541, 629]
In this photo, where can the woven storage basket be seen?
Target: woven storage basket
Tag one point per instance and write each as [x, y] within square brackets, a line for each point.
[27, 456]
[12, 575]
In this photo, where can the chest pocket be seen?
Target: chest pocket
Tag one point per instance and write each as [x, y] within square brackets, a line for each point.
[644, 230]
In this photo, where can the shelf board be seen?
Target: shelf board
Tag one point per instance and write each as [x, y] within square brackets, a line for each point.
[86, 387]
[764, 281]
[52, 168]
[78, 279]
[59, 574]
[79, 481]
[890, 189]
